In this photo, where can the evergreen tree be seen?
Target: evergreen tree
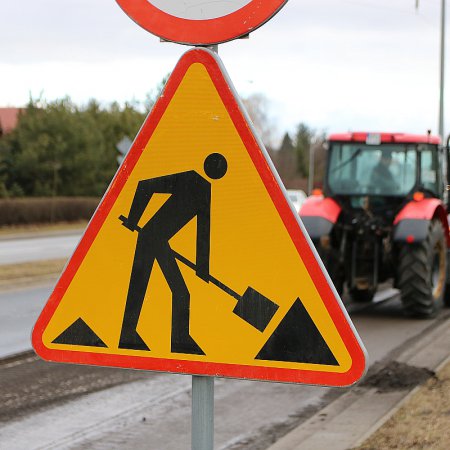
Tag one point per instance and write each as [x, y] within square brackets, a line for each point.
[286, 146]
[59, 148]
[286, 160]
[302, 143]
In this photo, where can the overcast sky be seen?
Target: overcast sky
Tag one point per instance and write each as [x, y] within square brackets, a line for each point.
[336, 65]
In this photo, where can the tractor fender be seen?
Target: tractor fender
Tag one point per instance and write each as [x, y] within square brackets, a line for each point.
[319, 214]
[413, 221]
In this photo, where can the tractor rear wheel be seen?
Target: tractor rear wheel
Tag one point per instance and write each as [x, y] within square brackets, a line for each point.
[422, 272]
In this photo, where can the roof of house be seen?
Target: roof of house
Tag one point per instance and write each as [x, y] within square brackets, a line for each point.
[8, 119]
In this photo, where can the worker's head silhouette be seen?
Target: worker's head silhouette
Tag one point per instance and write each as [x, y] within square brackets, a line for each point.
[215, 166]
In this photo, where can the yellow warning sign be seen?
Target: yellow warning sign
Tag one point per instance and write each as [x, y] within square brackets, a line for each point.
[194, 261]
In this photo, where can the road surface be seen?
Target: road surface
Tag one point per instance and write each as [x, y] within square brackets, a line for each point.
[18, 313]
[19, 250]
[47, 405]
[60, 406]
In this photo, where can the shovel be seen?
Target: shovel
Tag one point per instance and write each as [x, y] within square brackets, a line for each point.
[253, 307]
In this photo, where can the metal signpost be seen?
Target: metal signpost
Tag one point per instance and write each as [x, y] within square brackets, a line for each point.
[442, 72]
[175, 271]
[123, 148]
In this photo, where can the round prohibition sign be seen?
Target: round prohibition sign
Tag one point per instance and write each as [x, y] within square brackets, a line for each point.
[199, 22]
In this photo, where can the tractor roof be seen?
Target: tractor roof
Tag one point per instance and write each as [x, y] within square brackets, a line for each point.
[384, 138]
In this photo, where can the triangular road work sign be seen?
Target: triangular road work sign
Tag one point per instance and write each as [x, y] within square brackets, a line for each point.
[195, 262]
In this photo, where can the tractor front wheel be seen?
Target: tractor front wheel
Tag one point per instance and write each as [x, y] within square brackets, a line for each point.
[422, 272]
[447, 289]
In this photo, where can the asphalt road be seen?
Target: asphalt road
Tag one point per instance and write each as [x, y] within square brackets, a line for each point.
[59, 406]
[13, 251]
[47, 405]
[18, 313]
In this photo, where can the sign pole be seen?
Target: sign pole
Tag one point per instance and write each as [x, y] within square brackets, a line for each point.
[442, 73]
[202, 413]
[202, 432]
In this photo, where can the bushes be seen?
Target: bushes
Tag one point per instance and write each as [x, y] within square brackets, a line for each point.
[27, 211]
[61, 149]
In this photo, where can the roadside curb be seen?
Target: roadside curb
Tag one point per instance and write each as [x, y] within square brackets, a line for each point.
[353, 417]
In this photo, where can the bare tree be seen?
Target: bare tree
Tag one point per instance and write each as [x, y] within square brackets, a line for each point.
[257, 106]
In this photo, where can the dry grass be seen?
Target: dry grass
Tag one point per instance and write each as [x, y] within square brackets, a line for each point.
[45, 210]
[39, 228]
[23, 274]
[17, 275]
[422, 423]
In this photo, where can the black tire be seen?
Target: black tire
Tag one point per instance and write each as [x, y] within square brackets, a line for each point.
[334, 269]
[422, 272]
[362, 295]
[339, 284]
[447, 286]
[447, 295]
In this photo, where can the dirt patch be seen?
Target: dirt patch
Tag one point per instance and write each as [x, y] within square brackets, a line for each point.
[29, 384]
[422, 422]
[23, 274]
[397, 376]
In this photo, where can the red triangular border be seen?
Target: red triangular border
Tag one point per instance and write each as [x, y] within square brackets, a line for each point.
[270, 179]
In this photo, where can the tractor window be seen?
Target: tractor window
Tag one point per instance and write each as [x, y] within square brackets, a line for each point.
[428, 169]
[359, 169]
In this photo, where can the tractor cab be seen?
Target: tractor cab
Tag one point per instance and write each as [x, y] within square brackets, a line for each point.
[384, 206]
[383, 170]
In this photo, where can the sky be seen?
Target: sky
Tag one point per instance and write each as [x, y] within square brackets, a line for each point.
[336, 65]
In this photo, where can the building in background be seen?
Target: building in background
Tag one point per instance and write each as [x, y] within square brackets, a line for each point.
[8, 119]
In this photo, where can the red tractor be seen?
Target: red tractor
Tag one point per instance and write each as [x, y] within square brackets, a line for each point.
[383, 215]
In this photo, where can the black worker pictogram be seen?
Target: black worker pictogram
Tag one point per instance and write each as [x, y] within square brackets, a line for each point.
[190, 197]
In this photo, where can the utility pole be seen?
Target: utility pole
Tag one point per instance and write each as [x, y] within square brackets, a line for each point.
[442, 73]
[311, 169]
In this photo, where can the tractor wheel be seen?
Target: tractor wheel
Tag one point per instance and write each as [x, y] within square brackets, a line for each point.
[339, 285]
[333, 267]
[447, 295]
[362, 295]
[422, 272]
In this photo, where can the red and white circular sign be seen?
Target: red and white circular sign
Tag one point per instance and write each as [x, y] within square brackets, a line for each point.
[200, 22]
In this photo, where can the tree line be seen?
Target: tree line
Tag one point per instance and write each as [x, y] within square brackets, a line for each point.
[61, 149]
[291, 158]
